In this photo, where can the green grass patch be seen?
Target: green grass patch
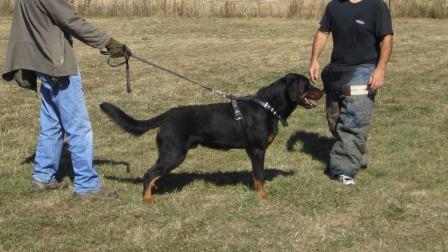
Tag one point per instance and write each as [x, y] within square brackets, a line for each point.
[398, 204]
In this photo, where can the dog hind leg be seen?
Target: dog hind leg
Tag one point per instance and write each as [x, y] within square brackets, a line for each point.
[170, 157]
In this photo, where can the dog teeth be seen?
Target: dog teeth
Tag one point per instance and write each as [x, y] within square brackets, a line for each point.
[309, 103]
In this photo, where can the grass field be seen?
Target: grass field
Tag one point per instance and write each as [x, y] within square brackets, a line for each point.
[400, 202]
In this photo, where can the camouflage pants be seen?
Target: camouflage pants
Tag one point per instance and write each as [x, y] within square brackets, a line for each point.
[349, 120]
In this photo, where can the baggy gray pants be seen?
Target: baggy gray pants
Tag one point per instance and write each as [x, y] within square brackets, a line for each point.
[349, 120]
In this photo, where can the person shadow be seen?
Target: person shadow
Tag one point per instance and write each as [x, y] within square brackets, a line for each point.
[313, 144]
[177, 181]
[66, 167]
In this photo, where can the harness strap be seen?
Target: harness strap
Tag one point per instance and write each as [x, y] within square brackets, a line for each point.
[268, 107]
[238, 116]
[236, 110]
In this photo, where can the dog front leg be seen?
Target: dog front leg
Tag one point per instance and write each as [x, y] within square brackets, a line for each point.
[257, 159]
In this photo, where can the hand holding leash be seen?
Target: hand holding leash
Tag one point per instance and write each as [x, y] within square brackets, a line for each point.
[116, 50]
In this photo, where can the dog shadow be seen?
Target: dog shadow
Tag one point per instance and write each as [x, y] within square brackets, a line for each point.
[169, 183]
[177, 181]
[313, 144]
[66, 166]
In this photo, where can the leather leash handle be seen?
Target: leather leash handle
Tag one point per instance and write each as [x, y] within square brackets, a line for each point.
[127, 56]
[128, 77]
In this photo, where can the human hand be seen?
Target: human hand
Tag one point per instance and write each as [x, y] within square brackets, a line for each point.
[115, 48]
[376, 80]
[314, 71]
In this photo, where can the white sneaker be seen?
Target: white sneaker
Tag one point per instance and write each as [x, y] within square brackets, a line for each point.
[346, 180]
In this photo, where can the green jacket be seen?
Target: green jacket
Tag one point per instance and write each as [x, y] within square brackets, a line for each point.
[41, 40]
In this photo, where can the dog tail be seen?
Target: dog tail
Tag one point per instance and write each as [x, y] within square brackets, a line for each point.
[129, 124]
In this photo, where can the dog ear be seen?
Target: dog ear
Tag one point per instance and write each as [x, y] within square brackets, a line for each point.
[292, 86]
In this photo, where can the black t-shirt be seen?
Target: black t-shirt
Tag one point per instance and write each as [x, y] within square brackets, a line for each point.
[357, 29]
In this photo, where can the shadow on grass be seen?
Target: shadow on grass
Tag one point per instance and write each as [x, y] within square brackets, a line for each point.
[176, 181]
[170, 183]
[313, 144]
[66, 167]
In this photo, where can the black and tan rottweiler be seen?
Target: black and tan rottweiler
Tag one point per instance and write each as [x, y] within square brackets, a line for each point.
[214, 126]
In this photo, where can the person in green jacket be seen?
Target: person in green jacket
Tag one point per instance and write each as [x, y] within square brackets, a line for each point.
[40, 47]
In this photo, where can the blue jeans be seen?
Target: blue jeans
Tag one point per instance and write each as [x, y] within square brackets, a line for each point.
[349, 120]
[63, 112]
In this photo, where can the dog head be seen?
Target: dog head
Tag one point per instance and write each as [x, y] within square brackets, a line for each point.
[300, 90]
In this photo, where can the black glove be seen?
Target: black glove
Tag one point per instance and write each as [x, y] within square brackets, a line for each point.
[115, 48]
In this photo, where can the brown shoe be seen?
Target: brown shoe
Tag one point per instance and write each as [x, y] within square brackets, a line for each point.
[37, 186]
[100, 193]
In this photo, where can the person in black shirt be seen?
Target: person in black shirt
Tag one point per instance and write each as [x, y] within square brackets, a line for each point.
[362, 44]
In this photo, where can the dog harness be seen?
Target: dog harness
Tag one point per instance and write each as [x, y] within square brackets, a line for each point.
[236, 110]
[265, 105]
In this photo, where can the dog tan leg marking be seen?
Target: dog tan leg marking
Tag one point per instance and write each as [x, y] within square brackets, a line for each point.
[271, 138]
[147, 197]
[258, 185]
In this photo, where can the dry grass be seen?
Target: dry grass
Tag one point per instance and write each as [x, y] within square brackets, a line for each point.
[419, 8]
[399, 203]
[235, 8]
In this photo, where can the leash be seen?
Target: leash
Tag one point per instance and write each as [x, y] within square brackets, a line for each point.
[233, 99]
[128, 54]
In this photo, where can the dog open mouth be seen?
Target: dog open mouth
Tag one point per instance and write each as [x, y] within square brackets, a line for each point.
[307, 100]
[308, 103]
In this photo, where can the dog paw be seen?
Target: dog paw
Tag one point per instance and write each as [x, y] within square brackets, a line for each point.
[148, 200]
[264, 196]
